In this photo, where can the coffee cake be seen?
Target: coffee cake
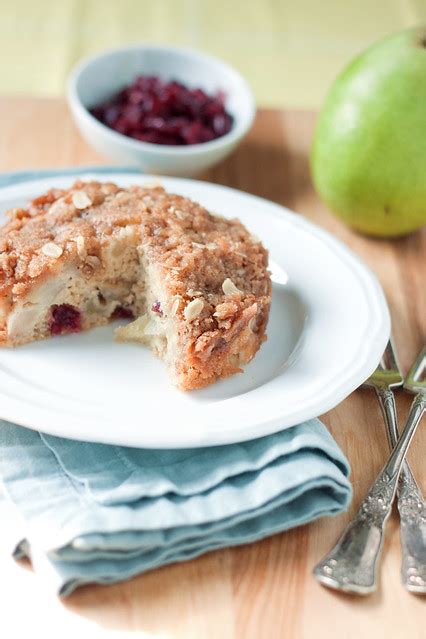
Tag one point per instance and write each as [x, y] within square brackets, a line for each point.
[195, 284]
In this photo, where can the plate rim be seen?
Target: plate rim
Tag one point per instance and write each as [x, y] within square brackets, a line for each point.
[367, 357]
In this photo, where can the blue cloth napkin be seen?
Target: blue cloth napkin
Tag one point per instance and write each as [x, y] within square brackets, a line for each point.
[85, 512]
[100, 513]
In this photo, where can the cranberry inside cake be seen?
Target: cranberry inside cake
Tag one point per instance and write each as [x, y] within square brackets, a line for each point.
[64, 318]
[196, 285]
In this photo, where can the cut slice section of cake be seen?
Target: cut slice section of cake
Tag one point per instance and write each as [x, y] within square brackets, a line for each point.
[197, 284]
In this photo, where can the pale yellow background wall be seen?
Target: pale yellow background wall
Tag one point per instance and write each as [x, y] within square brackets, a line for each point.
[289, 50]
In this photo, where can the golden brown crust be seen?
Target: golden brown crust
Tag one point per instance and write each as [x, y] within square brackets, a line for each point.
[200, 256]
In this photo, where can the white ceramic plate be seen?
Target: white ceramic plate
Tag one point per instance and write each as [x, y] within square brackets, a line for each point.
[328, 327]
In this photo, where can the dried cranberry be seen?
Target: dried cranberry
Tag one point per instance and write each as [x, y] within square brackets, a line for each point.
[64, 318]
[120, 312]
[158, 112]
[156, 308]
[132, 115]
[111, 114]
[221, 124]
[193, 133]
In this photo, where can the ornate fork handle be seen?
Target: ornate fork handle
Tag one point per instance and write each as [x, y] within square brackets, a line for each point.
[412, 512]
[411, 506]
[351, 565]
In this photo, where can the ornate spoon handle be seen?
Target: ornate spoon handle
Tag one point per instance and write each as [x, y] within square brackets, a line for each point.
[411, 506]
[351, 565]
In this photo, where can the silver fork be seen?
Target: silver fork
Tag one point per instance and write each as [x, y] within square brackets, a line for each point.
[351, 565]
[411, 504]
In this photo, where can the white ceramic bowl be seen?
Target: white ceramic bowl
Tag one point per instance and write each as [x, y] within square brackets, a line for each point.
[97, 78]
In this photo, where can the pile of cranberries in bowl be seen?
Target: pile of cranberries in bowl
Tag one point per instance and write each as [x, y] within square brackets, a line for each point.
[152, 110]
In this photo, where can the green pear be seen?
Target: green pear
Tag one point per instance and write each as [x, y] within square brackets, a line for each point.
[368, 157]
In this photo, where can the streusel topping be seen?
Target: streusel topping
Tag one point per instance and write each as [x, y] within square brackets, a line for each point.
[212, 267]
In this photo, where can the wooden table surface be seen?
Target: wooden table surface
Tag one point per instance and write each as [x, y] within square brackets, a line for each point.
[264, 589]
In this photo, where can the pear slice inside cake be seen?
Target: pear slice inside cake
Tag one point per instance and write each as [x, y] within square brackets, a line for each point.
[195, 284]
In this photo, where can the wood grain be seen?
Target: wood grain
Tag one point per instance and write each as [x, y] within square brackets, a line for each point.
[264, 589]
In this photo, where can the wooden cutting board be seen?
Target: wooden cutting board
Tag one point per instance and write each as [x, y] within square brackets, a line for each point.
[264, 589]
